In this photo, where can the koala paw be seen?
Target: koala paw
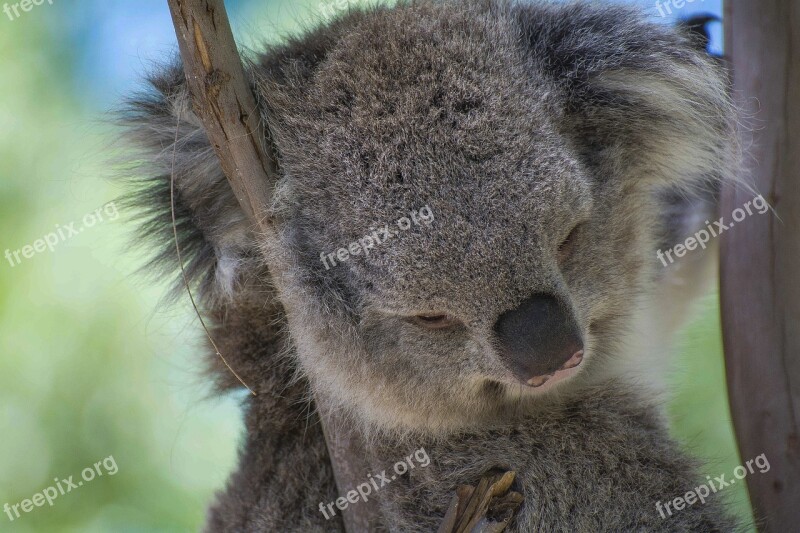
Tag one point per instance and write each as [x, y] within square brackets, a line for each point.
[487, 508]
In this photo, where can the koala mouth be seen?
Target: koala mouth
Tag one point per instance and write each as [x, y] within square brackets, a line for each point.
[540, 384]
[567, 370]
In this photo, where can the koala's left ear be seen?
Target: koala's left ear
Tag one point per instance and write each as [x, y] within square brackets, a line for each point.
[174, 164]
[642, 100]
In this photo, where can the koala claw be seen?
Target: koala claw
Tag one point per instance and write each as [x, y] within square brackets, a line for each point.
[487, 508]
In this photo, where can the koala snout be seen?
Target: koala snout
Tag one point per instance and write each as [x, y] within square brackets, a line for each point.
[539, 339]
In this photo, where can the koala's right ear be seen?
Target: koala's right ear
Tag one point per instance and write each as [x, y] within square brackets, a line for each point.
[642, 101]
[170, 143]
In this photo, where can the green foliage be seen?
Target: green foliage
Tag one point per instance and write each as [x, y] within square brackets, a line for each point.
[699, 410]
[85, 374]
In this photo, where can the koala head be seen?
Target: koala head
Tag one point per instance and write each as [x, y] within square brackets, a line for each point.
[538, 138]
[464, 217]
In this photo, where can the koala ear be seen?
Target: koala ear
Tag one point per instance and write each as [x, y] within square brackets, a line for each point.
[170, 143]
[669, 127]
[215, 237]
[642, 100]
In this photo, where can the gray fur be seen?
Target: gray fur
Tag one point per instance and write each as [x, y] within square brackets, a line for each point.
[514, 123]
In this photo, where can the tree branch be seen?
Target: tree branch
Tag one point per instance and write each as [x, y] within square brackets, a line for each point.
[224, 102]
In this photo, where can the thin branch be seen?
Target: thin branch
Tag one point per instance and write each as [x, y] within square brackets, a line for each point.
[224, 102]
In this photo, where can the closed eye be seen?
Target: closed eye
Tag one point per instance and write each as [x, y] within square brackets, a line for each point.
[434, 321]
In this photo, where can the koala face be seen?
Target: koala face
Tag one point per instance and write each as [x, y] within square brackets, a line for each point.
[464, 217]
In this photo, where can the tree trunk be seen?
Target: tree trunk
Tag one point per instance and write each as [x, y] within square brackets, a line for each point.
[760, 262]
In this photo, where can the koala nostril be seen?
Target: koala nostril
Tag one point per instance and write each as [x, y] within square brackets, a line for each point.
[573, 361]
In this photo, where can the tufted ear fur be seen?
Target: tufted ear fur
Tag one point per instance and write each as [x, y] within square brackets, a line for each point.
[169, 141]
[642, 100]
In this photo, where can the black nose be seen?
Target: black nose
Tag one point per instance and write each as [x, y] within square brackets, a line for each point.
[539, 337]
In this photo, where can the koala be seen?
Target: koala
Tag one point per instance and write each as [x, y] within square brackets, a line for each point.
[541, 154]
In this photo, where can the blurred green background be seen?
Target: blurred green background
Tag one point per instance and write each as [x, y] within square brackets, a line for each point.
[92, 364]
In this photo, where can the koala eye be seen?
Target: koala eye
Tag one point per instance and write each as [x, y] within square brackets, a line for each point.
[565, 248]
[434, 321]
